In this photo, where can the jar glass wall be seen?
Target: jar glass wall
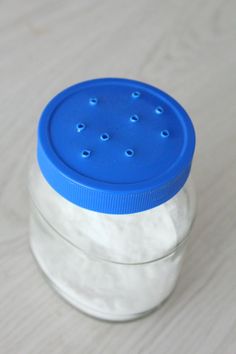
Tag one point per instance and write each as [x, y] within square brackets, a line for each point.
[114, 267]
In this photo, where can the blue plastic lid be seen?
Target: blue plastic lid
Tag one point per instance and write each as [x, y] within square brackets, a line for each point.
[115, 145]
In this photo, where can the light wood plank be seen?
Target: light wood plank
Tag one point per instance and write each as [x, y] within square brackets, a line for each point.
[187, 48]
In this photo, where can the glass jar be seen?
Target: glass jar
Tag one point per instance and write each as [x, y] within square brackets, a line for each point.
[112, 202]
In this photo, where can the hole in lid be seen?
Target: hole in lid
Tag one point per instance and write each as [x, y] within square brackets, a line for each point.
[93, 101]
[134, 118]
[136, 94]
[80, 127]
[104, 136]
[159, 110]
[86, 153]
[165, 133]
[129, 152]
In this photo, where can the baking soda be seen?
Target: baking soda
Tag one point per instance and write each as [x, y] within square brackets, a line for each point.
[111, 266]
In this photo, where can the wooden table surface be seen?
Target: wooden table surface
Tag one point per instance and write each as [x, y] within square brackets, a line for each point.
[187, 48]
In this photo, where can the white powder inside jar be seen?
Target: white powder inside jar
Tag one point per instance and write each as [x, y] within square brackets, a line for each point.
[77, 250]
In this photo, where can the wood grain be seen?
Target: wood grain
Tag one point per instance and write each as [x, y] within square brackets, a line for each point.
[187, 48]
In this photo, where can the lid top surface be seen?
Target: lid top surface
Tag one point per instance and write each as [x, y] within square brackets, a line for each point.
[116, 134]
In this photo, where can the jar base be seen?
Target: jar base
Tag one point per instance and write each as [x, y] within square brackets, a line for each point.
[85, 309]
[97, 314]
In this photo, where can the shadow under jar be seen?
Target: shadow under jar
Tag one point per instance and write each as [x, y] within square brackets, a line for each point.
[112, 202]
